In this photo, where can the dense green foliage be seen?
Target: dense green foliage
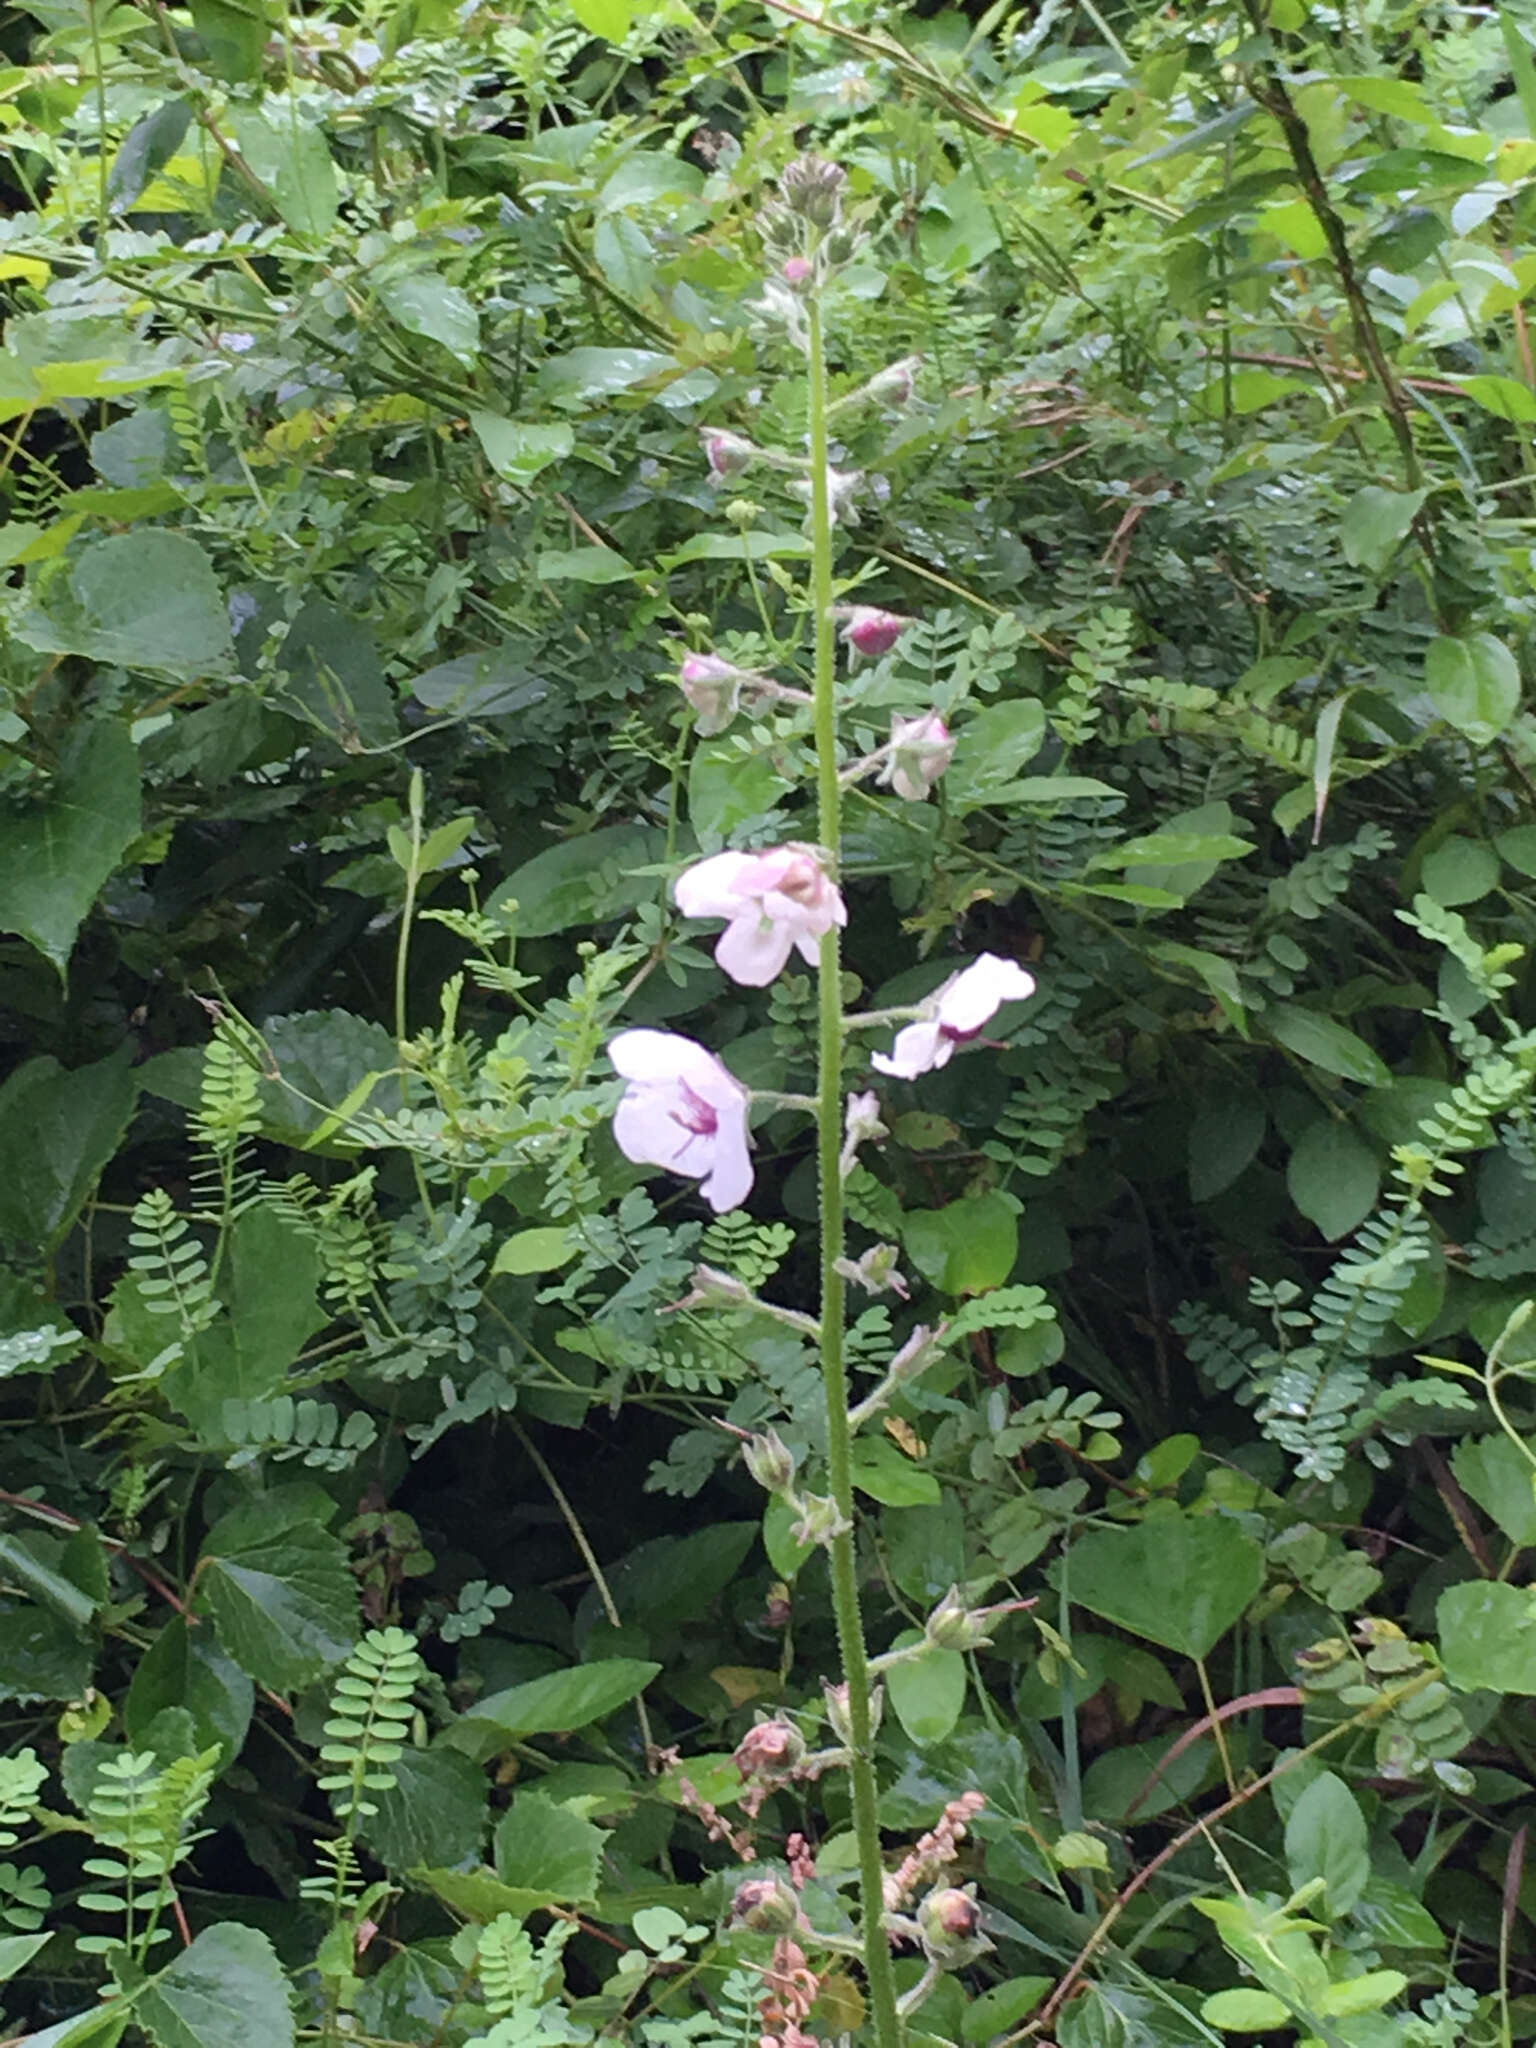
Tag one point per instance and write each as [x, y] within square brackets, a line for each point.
[381, 1600]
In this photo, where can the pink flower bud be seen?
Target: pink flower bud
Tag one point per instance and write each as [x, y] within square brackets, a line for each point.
[921, 749]
[896, 383]
[872, 632]
[773, 1749]
[949, 1921]
[797, 272]
[767, 1905]
[727, 454]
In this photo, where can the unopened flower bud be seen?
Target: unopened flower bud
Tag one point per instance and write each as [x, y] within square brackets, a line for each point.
[813, 188]
[916, 1355]
[840, 246]
[797, 272]
[862, 1123]
[954, 1626]
[727, 454]
[819, 1521]
[714, 1289]
[717, 690]
[876, 1272]
[766, 1905]
[949, 1922]
[920, 751]
[770, 1461]
[838, 1718]
[773, 1749]
[870, 631]
[896, 383]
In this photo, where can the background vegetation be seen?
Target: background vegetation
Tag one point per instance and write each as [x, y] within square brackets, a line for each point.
[368, 1541]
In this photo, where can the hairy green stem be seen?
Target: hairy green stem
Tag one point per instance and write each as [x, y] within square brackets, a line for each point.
[829, 1145]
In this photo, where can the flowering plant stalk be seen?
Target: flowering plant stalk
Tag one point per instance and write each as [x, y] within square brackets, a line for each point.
[834, 1287]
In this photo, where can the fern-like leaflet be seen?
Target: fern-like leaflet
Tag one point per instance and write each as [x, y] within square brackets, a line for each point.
[369, 1726]
[24, 1898]
[146, 1815]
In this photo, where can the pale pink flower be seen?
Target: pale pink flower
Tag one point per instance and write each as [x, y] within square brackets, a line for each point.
[920, 751]
[797, 272]
[685, 1111]
[713, 687]
[871, 631]
[774, 902]
[773, 1749]
[962, 1008]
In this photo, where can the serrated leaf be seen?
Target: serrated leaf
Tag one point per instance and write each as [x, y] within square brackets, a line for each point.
[147, 599]
[1502, 1480]
[434, 1812]
[57, 850]
[1488, 1636]
[228, 1990]
[549, 1850]
[58, 1129]
[280, 1590]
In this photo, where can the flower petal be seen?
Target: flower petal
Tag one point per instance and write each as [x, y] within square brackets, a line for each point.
[729, 1180]
[979, 992]
[919, 1048]
[661, 1056]
[751, 950]
[715, 887]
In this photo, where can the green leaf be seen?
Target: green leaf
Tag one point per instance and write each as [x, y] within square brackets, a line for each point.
[1178, 1580]
[58, 1129]
[1224, 1139]
[1488, 1636]
[1326, 1837]
[185, 1668]
[553, 1705]
[926, 1692]
[590, 373]
[321, 1056]
[1502, 1480]
[1459, 871]
[1393, 1918]
[1324, 1042]
[1174, 850]
[673, 1579]
[610, 19]
[279, 1587]
[542, 1250]
[228, 1990]
[234, 33]
[1368, 1992]
[1474, 684]
[428, 305]
[887, 1475]
[1506, 397]
[334, 679]
[1374, 522]
[488, 685]
[583, 881]
[999, 2010]
[594, 565]
[1333, 1177]
[968, 1246]
[41, 1656]
[274, 1309]
[103, 2028]
[518, 449]
[727, 787]
[1246, 2011]
[22, 1566]
[147, 599]
[292, 159]
[57, 851]
[548, 1850]
[148, 147]
[991, 748]
[17, 1950]
[434, 1813]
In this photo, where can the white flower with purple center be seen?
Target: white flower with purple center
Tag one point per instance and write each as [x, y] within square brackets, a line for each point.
[962, 1009]
[682, 1109]
[775, 903]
